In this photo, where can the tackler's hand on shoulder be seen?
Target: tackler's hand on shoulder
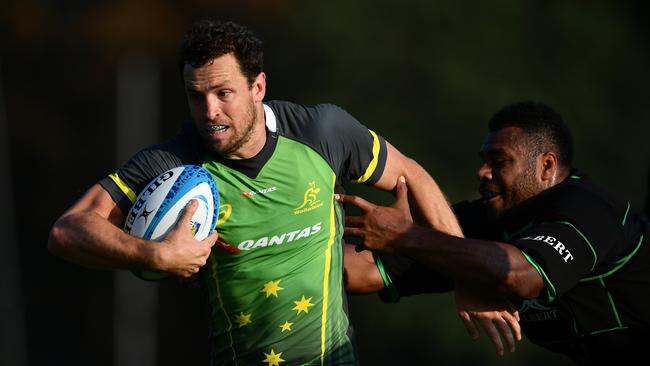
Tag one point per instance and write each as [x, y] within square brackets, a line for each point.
[381, 228]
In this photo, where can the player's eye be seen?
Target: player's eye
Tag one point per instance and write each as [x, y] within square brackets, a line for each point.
[498, 163]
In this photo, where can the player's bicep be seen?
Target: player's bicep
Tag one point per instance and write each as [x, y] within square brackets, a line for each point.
[396, 165]
[98, 201]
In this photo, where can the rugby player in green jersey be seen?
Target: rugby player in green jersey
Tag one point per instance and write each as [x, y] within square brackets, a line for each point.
[275, 277]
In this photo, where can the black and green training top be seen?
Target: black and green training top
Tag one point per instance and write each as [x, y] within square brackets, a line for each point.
[593, 254]
[278, 297]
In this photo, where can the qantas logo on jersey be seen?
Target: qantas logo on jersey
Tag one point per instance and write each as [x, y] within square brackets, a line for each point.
[310, 201]
[267, 241]
[261, 191]
[553, 242]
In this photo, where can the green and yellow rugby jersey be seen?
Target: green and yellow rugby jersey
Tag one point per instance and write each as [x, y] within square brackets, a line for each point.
[277, 298]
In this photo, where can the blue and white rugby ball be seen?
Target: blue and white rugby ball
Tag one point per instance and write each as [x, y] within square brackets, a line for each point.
[160, 204]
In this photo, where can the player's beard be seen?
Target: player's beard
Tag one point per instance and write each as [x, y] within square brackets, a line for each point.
[242, 135]
[524, 186]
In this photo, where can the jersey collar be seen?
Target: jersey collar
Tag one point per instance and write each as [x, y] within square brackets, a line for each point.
[269, 117]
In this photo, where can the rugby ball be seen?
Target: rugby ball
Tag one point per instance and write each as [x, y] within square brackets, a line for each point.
[160, 204]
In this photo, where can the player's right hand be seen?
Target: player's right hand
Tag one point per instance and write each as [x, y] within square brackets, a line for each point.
[380, 228]
[180, 253]
[496, 315]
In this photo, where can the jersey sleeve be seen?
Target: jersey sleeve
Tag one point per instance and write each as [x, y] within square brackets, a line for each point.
[360, 153]
[574, 236]
[126, 182]
[353, 151]
[403, 276]
[560, 253]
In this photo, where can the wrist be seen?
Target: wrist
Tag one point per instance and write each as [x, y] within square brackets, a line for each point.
[410, 238]
[149, 255]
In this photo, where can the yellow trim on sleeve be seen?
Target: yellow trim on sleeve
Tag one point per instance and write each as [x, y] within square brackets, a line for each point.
[375, 158]
[123, 187]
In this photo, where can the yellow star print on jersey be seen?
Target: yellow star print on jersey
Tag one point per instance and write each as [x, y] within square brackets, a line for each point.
[286, 326]
[303, 305]
[243, 319]
[273, 359]
[272, 288]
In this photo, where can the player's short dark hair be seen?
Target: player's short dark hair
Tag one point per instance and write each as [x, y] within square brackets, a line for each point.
[543, 125]
[209, 39]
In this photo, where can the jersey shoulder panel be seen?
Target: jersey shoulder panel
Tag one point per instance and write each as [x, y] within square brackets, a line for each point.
[591, 209]
[352, 150]
[578, 202]
[574, 230]
[129, 179]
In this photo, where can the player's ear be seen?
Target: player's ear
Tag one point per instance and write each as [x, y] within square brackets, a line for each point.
[549, 167]
[258, 87]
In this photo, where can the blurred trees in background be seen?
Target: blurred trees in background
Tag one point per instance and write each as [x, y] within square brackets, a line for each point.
[427, 75]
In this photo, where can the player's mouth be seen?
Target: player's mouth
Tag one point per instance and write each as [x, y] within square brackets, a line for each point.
[488, 195]
[215, 129]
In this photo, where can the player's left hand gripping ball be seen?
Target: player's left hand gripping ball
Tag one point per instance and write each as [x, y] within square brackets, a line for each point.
[158, 207]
